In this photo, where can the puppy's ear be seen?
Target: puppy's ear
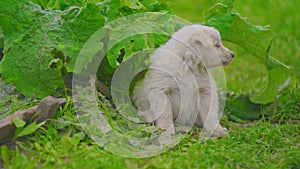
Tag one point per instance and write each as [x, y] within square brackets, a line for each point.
[191, 58]
[202, 39]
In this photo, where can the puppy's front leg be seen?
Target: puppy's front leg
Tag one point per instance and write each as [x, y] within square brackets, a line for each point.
[208, 114]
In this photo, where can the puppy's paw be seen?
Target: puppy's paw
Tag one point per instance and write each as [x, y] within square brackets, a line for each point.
[220, 132]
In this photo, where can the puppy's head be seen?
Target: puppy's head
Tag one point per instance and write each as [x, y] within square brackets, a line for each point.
[205, 42]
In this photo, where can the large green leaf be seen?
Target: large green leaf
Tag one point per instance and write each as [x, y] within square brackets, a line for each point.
[144, 33]
[255, 39]
[1, 43]
[120, 39]
[27, 48]
[58, 4]
[79, 24]
[127, 46]
[39, 43]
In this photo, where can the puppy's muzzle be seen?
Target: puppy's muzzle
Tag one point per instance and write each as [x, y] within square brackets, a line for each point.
[229, 58]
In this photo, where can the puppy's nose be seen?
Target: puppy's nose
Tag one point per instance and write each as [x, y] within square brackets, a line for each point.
[232, 55]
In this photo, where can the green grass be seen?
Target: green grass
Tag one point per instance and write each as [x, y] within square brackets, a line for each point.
[256, 145]
[271, 142]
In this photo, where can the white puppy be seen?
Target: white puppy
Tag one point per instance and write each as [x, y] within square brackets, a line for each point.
[179, 86]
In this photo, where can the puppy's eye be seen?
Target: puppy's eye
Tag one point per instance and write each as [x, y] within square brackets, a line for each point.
[217, 44]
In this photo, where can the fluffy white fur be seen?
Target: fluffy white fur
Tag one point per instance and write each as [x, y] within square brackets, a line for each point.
[179, 86]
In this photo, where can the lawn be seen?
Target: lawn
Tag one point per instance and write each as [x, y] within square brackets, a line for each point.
[270, 141]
